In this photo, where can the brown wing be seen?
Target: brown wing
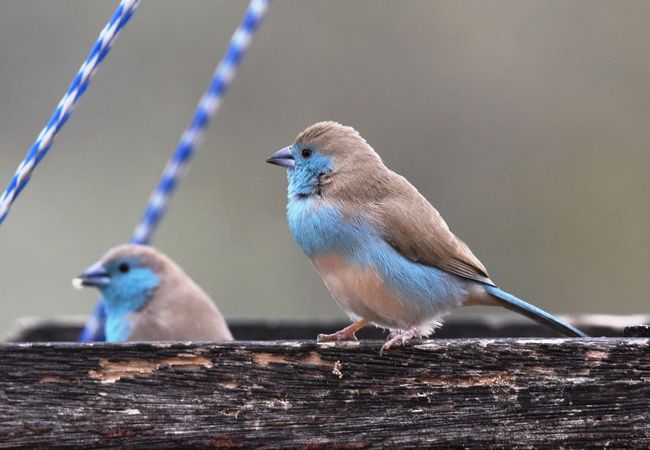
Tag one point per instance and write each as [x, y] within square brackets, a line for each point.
[412, 226]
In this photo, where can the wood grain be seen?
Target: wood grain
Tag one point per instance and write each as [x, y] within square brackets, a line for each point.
[529, 393]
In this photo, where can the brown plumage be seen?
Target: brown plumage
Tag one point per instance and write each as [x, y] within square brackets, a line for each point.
[178, 309]
[383, 251]
[409, 223]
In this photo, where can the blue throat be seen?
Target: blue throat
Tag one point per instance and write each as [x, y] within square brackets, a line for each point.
[303, 178]
[126, 294]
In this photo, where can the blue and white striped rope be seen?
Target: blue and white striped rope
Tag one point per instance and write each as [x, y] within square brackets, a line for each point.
[65, 107]
[187, 145]
[208, 105]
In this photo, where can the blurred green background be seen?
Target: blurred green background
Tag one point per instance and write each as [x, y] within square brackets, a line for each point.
[527, 124]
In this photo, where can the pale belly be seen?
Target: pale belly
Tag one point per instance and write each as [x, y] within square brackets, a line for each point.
[362, 293]
[367, 277]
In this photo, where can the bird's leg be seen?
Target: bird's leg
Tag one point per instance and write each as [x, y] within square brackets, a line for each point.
[346, 334]
[403, 336]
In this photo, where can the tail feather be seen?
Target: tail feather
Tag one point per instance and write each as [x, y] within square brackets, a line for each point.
[517, 305]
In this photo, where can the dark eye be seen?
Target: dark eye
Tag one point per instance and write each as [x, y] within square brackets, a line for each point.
[306, 152]
[124, 267]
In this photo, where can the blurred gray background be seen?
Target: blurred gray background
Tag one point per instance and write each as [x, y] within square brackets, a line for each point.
[527, 124]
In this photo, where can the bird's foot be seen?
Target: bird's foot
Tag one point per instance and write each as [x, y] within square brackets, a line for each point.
[400, 336]
[338, 336]
[346, 334]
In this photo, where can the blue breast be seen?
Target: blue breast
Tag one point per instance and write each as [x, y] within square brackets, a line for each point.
[118, 326]
[320, 228]
[125, 295]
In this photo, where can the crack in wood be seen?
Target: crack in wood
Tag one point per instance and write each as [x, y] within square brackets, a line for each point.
[491, 380]
[112, 371]
[264, 359]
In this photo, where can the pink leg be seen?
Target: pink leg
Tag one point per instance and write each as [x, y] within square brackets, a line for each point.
[346, 334]
[403, 336]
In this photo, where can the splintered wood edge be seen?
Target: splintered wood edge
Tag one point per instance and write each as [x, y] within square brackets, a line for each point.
[364, 345]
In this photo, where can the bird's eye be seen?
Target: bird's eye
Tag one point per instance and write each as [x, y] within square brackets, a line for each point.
[124, 267]
[306, 153]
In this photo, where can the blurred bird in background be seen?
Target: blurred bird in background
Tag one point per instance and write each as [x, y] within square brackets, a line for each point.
[383, 251]
[148, 297]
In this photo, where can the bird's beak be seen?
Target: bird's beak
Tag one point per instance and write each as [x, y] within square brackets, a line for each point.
[96, 275]
[282, 158]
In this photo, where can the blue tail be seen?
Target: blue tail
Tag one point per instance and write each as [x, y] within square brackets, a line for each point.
[517, 305]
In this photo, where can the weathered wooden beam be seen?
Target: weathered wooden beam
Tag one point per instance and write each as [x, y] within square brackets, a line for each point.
[535, 393]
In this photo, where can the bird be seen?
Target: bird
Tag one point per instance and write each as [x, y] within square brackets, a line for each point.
[384, 253]
[148, 297]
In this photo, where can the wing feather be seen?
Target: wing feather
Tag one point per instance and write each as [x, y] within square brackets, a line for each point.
[413, 227]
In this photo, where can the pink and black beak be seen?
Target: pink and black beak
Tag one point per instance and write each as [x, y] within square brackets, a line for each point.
[283, 158]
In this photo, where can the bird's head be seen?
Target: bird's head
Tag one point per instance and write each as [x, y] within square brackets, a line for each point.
[127, 275]
[328, 158]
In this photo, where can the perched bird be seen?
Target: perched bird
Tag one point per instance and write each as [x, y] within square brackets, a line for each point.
[383, 251]
[148, 297]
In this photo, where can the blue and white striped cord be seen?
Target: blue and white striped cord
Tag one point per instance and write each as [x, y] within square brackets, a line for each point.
[208, 105]
[65, 107]
[187, 146]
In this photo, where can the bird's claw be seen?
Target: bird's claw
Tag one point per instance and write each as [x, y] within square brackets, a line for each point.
[338, 336]
[393, 335]
[397, 336]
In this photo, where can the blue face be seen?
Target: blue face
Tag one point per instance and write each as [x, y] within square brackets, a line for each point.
[131, 284]
[126, 286]
[309, 165]
[316, 227]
